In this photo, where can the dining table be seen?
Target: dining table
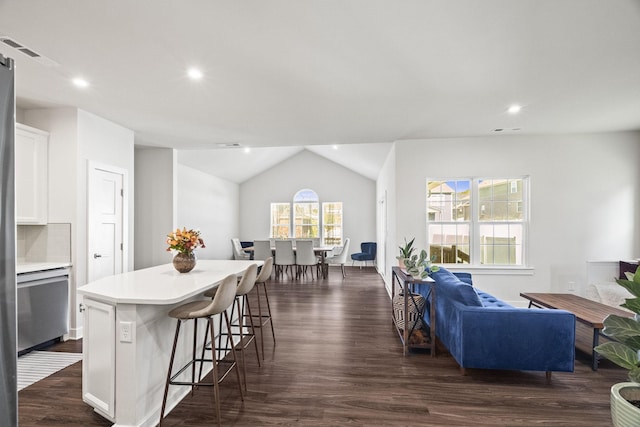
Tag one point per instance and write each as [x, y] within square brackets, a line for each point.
[318, 250]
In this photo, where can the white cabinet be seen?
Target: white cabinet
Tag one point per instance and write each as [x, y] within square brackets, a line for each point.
[99, 357]
[32, 175]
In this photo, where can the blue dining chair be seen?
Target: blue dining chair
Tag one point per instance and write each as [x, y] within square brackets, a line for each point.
[368, 253]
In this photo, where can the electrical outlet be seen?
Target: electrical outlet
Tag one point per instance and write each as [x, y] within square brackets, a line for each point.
[126, 332]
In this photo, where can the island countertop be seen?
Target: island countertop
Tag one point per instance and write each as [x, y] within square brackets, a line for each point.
[162, 284]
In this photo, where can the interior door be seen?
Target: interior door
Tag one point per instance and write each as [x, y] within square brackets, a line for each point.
[105, 235]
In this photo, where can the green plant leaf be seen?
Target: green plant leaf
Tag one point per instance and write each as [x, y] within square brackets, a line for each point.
[619, 354]
[632, 342]
[620, 327]
[632, 304]
[634, 374]
[633, 287]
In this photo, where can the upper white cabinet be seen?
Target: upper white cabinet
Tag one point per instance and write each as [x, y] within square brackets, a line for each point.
[32, 175]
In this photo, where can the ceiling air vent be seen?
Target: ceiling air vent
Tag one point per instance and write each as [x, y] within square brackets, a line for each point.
[228, 145]
[29, 52]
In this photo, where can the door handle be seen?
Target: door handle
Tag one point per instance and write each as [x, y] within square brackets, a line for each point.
[97, 256]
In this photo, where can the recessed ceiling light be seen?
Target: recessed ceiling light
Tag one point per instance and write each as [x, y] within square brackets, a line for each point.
[247, 150]
[194, 74]
[335, 146]
[80, 82]
[514, 109]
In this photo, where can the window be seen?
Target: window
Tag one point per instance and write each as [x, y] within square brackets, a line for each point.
[301, 219]
[306, 217]
[280, 220]
[491, 234]
[332, 224]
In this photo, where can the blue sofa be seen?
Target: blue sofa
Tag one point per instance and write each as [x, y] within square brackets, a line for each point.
[480, 331]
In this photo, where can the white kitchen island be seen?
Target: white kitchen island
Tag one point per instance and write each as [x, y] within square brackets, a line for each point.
[128, 337]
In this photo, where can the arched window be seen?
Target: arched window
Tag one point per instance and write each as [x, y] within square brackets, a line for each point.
[301, 219]
[306, 214]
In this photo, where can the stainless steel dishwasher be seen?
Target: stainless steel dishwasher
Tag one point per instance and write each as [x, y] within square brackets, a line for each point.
[43, 307]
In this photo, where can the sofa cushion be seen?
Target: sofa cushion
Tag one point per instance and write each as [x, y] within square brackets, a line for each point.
[464, 277]
[455, 289]
[489, 300]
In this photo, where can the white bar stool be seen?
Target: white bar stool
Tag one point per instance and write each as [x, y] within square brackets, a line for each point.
[205, 309]
[245, 285]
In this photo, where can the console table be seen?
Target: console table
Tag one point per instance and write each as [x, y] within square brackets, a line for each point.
[405, 284]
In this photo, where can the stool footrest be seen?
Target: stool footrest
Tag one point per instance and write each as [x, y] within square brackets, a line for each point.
[230, 364]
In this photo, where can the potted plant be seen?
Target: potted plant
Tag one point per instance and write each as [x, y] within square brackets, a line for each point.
[406, 252]
[625, 352]
[419, 267]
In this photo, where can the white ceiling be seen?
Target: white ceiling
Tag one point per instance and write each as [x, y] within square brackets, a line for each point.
[313, 73]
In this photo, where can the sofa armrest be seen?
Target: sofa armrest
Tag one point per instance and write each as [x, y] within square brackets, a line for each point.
[516, 338]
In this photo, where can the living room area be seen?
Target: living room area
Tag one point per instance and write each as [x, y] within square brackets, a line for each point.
[215, 112]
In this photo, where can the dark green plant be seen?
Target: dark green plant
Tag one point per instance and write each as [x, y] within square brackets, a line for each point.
[406, 251]
[626, 331]
[420, 266]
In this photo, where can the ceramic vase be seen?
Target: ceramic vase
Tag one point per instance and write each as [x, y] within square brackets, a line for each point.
[184, 262]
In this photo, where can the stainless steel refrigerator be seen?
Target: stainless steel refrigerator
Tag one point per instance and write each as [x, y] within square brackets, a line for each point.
[8, 359]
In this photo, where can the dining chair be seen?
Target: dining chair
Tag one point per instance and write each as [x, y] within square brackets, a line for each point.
[306, 257]
[285, 257]
[262, 250]
[368, 253]
[238, 252]
[339, 256]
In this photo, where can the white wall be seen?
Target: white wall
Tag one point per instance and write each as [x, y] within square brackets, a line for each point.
[209, 204]
[385, 189]
[156, 206]
[77, 137]
[332, 183]
[584, 199]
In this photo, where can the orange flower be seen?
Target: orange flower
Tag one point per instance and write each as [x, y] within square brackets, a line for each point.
[184, 240]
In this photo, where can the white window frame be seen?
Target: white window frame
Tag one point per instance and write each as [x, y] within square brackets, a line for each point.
[272, 225]
[475, 255]
[325, 224]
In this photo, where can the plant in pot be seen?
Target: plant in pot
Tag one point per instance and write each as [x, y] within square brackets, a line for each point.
[419, 267]
[625, 352]
[406, 252]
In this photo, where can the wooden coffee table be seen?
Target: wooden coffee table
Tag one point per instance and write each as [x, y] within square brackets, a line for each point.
[590, 313]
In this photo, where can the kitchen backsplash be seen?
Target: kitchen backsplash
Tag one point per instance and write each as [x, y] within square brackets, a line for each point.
[44, 243]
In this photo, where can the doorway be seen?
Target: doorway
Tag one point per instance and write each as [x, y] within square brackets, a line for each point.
[106, 227]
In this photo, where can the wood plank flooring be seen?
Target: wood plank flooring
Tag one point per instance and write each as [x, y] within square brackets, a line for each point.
[338, 361]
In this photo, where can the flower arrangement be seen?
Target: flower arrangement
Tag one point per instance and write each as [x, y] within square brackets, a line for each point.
[184, 241]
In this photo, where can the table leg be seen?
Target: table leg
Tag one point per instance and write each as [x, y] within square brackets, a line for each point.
[594, 354]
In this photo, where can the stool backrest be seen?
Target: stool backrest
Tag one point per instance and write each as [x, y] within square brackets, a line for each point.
[248, 280]
[265, 271]
[225, 295]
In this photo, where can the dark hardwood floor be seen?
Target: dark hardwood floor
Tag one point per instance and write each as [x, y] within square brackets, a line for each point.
[338, 361]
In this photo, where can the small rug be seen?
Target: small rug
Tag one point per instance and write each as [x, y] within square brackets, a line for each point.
[36, 365]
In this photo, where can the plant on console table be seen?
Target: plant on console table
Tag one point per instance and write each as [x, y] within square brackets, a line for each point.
[406, 252]
[420, 266]
[184, 242]
[625, 352]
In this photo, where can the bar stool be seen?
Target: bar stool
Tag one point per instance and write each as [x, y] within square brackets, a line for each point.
[265, 274]
[205, 309]
[245, 285]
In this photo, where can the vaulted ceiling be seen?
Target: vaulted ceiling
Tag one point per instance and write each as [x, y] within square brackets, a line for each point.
[318, 73]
